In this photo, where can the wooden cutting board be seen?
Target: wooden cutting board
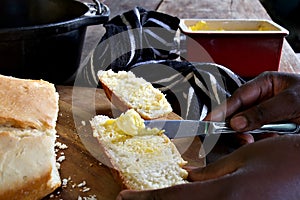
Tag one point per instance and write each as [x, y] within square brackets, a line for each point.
[82, 170]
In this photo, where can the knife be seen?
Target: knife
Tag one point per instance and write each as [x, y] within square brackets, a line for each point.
[190, 128]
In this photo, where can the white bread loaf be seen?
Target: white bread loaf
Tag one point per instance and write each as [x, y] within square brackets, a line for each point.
[28, 114]
[127, 91]
[140, 158]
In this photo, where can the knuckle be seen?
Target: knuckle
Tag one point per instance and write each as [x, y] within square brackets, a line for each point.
[257, 116]
[259, 112]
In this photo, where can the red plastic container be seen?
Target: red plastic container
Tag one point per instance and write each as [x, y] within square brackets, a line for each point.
[248, 47]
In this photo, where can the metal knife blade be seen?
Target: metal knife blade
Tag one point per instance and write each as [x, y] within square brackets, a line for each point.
[190, 128]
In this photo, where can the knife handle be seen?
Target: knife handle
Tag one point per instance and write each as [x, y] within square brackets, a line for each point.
[280, 128]
[284, 128]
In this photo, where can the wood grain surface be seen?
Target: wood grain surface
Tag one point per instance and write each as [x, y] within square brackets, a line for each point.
[83, 168]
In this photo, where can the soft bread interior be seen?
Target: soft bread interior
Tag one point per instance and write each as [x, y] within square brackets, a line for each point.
[134, 92]
[144, 158]
[27, 164]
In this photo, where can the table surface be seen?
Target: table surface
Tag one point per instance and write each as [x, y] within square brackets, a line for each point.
[226, 9]
[83, 170]
[81, 164]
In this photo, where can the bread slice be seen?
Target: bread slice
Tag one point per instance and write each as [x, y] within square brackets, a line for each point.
[140, 158]
[127, 91]
[28, 114]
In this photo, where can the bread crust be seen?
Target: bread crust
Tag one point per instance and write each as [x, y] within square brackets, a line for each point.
[28, 103]
[115, 99]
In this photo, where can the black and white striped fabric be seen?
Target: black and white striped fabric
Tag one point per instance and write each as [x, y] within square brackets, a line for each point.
[143, 42]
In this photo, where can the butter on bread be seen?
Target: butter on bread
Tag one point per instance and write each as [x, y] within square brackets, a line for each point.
[127, 91]
[140, 158]
[28, 114]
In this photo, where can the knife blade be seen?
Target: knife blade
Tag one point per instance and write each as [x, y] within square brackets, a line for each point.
[191, 128]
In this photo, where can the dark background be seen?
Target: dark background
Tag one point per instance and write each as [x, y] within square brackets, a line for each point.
[287, 14]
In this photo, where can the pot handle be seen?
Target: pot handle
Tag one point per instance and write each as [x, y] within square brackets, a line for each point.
[98, 13]
[98, 8]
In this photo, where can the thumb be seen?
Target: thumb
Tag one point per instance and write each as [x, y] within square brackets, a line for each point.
[177, 192]
[221, 167]
[132, 195]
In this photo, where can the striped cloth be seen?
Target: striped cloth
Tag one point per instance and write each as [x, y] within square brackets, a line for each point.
[143, 42]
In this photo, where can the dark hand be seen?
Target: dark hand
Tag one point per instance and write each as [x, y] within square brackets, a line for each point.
[268, 169]
[270, 97]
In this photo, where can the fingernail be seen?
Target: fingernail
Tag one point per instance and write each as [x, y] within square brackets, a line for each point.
[239, 122]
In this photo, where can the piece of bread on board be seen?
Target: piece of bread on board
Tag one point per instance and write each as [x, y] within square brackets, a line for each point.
[127, 91]
[140, 158]
[28, 114]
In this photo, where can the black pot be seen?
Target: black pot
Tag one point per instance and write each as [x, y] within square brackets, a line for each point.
[43, 39]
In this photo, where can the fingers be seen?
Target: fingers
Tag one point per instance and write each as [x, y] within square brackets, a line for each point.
[271, 97]
[237, 139]
[132, 195]
[224, 166]
[244, 97]
[184, 191]
[281, 107]
[239, 159]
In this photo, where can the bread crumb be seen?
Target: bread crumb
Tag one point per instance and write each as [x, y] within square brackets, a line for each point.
[83, 123]
[86, 189]
[90, 197]
[65, 182]
[61, 146]
[61, 158]
[57, 165]
[83, 183]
